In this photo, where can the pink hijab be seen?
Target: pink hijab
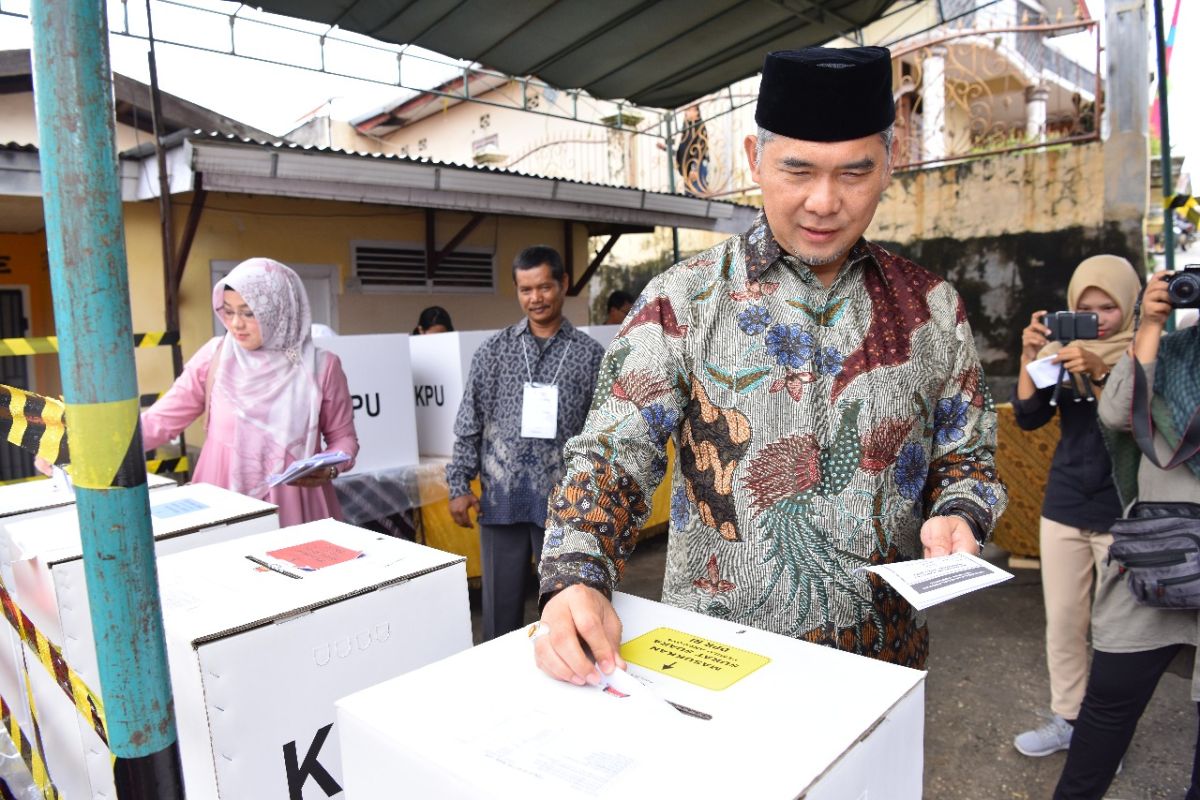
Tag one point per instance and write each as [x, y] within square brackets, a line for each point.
[272, 391]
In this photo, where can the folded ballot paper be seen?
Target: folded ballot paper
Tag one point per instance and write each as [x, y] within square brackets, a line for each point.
[298, 469]
[926, 582]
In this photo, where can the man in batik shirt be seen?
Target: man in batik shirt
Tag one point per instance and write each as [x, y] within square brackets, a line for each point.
[826, 396]
[526, 394]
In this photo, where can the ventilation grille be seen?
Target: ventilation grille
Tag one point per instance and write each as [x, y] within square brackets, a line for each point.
[386, 267]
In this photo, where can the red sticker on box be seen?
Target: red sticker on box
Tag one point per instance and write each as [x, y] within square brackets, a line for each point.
[315, 555]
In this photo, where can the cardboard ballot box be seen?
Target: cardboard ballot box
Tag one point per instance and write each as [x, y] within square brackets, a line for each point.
[18, 503]
[766, 717]
[604, 334]
[379, 373]
[43, 570]
[19, 500]
[441, 363]
[258, 656]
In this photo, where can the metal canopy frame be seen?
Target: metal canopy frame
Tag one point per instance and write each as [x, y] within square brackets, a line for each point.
[659, 54]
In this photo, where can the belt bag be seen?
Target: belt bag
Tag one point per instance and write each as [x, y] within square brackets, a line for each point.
[1157, 547]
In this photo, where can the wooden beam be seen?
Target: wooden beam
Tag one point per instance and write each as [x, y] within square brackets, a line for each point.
[569, 250]
[431, 253]
[592, 267]
[453, 244]
[199, 198]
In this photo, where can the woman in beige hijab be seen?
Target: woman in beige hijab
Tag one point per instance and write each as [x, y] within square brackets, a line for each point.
[1080, 499]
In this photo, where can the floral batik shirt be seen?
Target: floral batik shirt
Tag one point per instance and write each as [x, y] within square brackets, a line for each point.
[817, 428]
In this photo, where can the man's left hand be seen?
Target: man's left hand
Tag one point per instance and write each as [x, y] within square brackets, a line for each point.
[942, 536]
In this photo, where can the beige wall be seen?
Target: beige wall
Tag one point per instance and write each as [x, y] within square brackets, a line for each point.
[1027, 192]
[18, 123]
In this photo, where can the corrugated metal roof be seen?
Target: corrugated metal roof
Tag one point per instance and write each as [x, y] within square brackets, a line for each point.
[145, 151]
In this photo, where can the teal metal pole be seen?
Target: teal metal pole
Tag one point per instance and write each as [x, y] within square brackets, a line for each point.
[671, 180]
[85, 238]
[1168, 180]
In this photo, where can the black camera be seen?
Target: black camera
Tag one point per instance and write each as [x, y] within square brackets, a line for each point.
[1183, 287]
[1067, 326]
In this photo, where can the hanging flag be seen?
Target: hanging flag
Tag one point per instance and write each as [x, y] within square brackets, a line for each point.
[1168, 46]
[34, 423]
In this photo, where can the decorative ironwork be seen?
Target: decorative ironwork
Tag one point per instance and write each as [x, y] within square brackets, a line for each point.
[980, 91]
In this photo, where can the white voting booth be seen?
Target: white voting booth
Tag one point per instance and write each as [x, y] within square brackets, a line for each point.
[441, 363]
[768, 717]
[604, 334]
[258, 655]
[379, 373]
[43, 569]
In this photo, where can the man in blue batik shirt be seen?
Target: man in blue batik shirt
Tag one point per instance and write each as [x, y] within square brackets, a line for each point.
[528, 391]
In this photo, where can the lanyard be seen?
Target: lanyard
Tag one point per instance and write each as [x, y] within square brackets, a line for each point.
[529, 372]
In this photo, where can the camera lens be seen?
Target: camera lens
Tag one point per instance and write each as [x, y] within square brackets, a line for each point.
[1184, 290]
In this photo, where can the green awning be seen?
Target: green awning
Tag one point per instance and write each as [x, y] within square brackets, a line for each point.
[658, 53]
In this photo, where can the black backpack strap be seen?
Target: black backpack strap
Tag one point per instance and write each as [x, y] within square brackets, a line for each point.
[1143, 424]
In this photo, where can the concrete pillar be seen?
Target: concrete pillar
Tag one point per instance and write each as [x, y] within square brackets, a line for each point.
[1035, 112]
[933, 104]
[1127, 148]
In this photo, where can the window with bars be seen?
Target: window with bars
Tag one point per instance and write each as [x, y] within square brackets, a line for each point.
[400, 267]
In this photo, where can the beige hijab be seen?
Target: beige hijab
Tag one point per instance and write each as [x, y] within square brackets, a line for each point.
[1117, 278]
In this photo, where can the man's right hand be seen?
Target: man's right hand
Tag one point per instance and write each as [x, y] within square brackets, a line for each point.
[579, 615]
[460, 508]
[1156, 301]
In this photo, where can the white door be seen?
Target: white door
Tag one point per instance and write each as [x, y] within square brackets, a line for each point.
[320, 281]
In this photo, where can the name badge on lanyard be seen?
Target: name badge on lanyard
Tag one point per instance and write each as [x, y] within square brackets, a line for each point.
[539, 403]
[539, 411]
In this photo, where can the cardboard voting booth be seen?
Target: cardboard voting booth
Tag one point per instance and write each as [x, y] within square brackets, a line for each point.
[604, 334]
[44, 572]
[379, 373]
[719, 709]
[441, 363]
[259, 653]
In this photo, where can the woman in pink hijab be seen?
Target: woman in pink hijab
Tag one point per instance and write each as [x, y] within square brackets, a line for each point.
[270, 395]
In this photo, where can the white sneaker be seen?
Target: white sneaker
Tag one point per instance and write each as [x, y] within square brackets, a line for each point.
[1055, 735]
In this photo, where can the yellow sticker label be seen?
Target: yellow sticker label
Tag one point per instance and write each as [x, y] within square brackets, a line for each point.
[712, 665]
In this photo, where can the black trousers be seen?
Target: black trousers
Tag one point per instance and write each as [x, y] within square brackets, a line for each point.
[506, 551]
[1119, 688]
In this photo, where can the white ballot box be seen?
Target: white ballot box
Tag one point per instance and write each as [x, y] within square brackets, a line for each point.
[604, 334]
[44, 573]
[260, 652]
[21, 502]
[441, 363]
[708, 707]
[379, 373]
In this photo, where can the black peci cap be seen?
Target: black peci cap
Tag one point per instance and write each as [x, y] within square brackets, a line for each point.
[826, 94]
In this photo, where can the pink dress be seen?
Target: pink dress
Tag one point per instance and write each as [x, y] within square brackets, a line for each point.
[184, 403]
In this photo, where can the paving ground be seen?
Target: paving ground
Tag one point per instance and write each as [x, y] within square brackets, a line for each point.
[987, 680]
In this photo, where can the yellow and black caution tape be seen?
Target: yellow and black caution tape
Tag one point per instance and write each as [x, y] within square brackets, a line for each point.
[39, 345]
[86, 702]
[29, 479]
[34, 423]
[167, 466]
[1185, 206]
[29, 754]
